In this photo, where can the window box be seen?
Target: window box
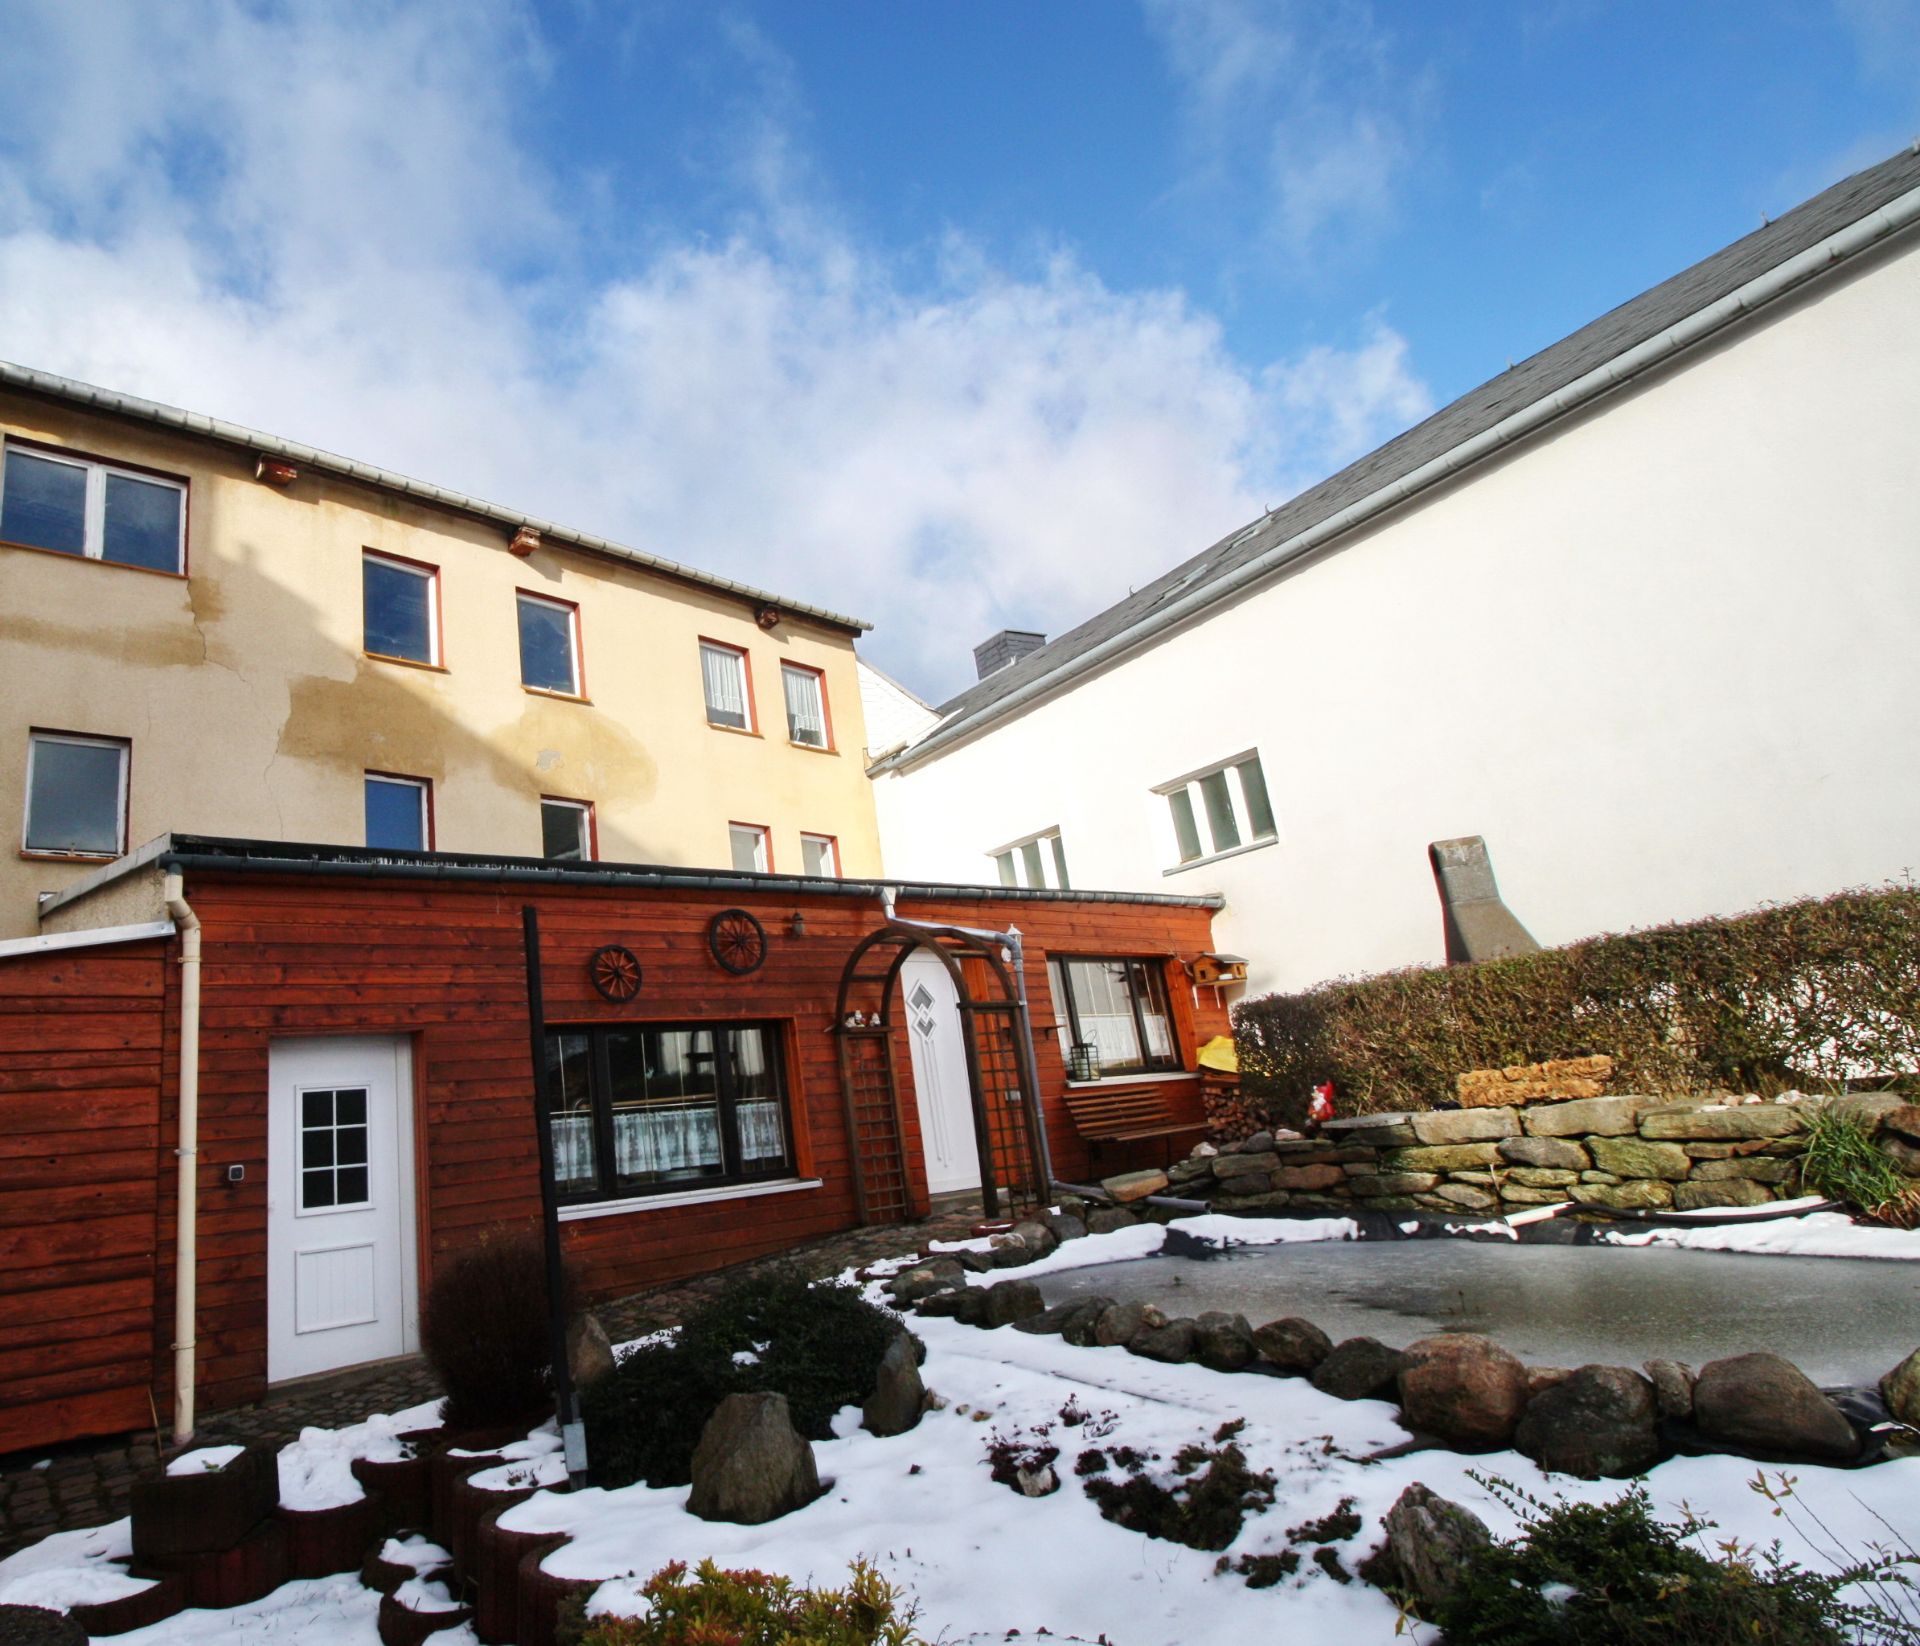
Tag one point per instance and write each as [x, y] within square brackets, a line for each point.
[1116, 1016]
[550, 659]
[76, 795]
[1038, 862]
[399, 812]
[567, 833]
[647, 1109]
[400, 609]
[1220, 809]
[808, 723]
[728, 685]
[51, 499]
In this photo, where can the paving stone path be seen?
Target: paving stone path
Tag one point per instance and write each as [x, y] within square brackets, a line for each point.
[90, 1482]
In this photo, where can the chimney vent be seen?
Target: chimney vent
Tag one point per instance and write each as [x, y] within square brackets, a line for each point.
[1005, 649]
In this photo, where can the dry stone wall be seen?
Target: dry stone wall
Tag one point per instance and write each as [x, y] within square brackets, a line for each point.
[1623, 1152]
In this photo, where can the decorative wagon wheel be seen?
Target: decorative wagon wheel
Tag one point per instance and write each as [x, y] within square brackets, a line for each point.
[738, 941]
[615, 973]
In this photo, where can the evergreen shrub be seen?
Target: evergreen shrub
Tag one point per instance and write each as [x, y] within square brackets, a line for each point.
[1803, 994]
[729, 1608]
[819, 1344]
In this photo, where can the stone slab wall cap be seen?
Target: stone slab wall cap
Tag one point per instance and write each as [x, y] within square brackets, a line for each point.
[1684, 1121]
[1586, 1117]
[1465, 1125]
[1131, 1186]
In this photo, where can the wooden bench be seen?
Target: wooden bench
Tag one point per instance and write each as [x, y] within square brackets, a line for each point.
[1125, 1114]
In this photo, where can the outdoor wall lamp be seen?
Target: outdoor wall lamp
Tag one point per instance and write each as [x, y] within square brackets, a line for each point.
[797, 926]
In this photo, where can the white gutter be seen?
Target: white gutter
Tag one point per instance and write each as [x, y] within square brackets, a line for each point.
[186, 1248]
[55, 941]
[1899, 213]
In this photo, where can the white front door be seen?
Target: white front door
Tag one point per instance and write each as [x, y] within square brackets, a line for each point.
[940, 1074]
[341, 1285]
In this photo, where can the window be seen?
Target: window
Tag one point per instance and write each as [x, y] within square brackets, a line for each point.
[820, 855]
[76, 795]
[723, 672]
[665, 1107]
[399, 813]
[566, 830]
[807, 722]
[333, 1149]
[97, 510]
[1220, 810]
[400, 600]
[550, 646]
[1040, 861]
[751, 848]
[1114, 1016]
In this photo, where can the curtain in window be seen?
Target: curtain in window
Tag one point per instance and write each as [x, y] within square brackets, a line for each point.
[666, 1142]
[573, 1151]
[725, 675]
[806, 715]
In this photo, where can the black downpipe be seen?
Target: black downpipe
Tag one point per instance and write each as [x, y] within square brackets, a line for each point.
[566, 1402]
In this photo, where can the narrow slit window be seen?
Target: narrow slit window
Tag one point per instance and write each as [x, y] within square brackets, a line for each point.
[1225, 808]
[1038, 863]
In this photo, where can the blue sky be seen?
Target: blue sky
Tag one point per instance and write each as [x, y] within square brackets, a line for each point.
[953, 315]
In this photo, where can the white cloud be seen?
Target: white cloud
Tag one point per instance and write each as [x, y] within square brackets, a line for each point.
[327, 225]
[1306, 106]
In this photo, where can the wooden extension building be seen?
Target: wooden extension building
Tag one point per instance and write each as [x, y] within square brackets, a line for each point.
[730, 1062]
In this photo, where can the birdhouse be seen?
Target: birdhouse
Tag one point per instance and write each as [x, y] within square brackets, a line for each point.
[1218, 969]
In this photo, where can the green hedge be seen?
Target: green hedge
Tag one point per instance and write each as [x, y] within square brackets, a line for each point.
[1803, 994]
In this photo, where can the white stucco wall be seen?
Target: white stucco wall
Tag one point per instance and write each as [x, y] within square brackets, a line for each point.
[892, 713]
[1665, 659]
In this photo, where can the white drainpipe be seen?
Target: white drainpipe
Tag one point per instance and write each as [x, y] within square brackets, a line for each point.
[186, 1253]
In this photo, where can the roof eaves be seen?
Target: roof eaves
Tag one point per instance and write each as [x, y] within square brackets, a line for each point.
[30, 380]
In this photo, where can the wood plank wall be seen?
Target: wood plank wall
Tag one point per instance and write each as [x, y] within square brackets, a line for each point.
[441, 962]
[81, 1167]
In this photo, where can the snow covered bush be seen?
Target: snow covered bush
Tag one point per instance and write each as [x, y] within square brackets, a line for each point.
[756, 1609]
[1610, 1574]
[485, 1332]
[820, 1345]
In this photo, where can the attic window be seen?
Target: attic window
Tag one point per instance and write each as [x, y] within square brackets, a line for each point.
[93, 510]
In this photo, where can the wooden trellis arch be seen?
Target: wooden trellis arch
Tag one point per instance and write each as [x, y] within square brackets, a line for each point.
[1000, 1071]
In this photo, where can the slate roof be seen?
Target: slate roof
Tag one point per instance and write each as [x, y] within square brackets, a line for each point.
[1553, 368]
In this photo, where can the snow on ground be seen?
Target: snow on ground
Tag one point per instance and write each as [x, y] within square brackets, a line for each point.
[1145, 1240]
[979, 1559]
[316, 1470]
[1823, 1234]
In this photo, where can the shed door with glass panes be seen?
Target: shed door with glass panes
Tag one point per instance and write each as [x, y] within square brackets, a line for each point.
[341, 1284]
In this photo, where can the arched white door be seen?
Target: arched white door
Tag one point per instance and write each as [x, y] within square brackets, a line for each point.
[940, 1083]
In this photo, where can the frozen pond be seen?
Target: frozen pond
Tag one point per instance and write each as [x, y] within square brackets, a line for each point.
[1841, 1320]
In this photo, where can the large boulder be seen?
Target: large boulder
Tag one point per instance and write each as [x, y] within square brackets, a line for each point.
[1601, 1422]
[1762, 1404]
[1110, 1218]
[1464, 1390]
[1081, 1327]
[1362, 1368]
[1173, 1343]
[898, 1396]
[1223, 1342]
[1010, 1300]
[1292, 1345]
[1119, 1323]
[1429, 1542]
[1672, 1382]
[1900, 1388]
[752, 1465]
[942, 1274]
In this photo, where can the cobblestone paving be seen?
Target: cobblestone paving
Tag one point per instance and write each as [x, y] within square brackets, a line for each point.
[90, 1482]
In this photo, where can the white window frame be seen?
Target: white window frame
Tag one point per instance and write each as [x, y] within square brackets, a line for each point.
[832, 869]
[430, 575]
[423, 786]
[572, 614]
[763, 847]
[739, 657]
[1014, 862]
[125, 751]
[94, 526]
[589, 845]
[1241, 809]
[818, 680]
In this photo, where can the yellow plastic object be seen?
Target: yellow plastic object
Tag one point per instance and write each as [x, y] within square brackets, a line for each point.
[1220, 1053]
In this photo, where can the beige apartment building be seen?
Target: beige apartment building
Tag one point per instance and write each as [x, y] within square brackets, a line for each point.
[210, 630]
